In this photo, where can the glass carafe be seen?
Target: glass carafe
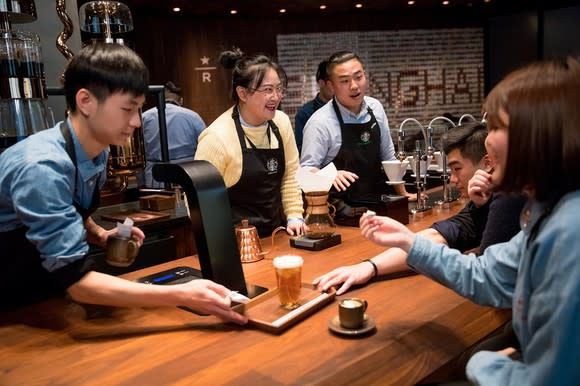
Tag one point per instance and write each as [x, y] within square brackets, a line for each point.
[318, 220]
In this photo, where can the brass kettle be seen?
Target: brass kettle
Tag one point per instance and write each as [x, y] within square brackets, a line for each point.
[249, 242]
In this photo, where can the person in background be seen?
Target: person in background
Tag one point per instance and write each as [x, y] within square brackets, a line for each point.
[352, 131]
[45, 227]
[183, 129]
[487, 219]
[252, 146]
[533, 142]
[324, 94]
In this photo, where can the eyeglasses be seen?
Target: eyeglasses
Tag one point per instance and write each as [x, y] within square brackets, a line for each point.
[269, 91]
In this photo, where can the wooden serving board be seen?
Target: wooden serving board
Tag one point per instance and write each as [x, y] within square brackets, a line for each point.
[265, 312]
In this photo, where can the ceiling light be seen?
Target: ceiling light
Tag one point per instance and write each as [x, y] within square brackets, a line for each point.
[322, 6]
[359, 5]
[283, 10]
[176, 9]
[411, 2]
[445, 2]
[233, 11]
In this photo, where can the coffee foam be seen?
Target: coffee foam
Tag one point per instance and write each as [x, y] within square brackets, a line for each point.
[351, 303]
[288, 261]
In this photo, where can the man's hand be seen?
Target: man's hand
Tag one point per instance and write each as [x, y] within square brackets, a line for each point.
[343, 180]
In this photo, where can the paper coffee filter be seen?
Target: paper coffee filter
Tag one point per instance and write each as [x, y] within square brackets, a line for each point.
[321, 181]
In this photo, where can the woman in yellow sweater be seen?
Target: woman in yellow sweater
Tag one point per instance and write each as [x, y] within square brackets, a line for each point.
[253, 147]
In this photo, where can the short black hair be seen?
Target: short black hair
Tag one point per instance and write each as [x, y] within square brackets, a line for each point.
[173, 88]
[104, 69]
[339, 58]
[469, 138]
[321, 73]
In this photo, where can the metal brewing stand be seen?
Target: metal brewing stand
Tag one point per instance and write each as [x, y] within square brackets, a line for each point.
[421, 207]
[447, 200]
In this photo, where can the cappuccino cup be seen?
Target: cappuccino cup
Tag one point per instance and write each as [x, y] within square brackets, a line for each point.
[351, 312]
[121, 251]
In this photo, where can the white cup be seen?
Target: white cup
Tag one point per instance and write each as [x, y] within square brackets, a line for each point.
[439, 160]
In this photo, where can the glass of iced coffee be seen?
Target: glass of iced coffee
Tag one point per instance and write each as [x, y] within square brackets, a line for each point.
[289, 275]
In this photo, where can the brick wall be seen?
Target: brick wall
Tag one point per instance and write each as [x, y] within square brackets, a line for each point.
[414, 73]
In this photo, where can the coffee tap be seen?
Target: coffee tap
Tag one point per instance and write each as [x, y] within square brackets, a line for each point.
[484, 118]
[444, 175]
[419, 156]
[401, 145]
[466, 116]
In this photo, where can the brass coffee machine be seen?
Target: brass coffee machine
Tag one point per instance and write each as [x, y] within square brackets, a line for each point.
[23, 94]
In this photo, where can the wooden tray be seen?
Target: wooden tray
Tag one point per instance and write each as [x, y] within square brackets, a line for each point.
[265, 312]
[138, 216]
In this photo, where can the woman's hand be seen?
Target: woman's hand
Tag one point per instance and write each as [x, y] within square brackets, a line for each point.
[295, 227]
[386, 232]
[348, 275]
[479, 188]
[209, 297]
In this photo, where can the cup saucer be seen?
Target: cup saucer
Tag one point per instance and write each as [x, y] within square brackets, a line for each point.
[395, 182]
[368, 325]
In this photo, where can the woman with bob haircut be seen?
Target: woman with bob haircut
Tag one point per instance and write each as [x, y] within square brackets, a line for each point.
[535, 145]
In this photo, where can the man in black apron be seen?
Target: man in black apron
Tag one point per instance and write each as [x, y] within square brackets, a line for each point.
[43, 238]
[24, 279]
[357, 147]
[257, 195]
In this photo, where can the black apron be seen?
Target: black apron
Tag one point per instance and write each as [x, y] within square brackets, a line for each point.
[23, 279]
[257, 196]
[360, 153]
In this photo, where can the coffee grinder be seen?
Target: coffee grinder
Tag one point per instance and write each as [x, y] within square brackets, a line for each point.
[23, 94]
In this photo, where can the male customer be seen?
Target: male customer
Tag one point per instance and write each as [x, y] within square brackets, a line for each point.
[183, 129]
[486, 220]
[49, 186]
[324, 94]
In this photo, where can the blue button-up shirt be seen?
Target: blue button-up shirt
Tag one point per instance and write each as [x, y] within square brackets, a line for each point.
[37, 190]
[183, 129]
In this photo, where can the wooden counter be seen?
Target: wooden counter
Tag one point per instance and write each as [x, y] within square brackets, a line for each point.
[421, 326]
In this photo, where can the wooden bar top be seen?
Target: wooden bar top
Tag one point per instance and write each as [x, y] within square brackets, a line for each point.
[420, 326]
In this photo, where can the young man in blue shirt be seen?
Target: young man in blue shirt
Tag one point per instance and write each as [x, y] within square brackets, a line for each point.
[49, 186]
